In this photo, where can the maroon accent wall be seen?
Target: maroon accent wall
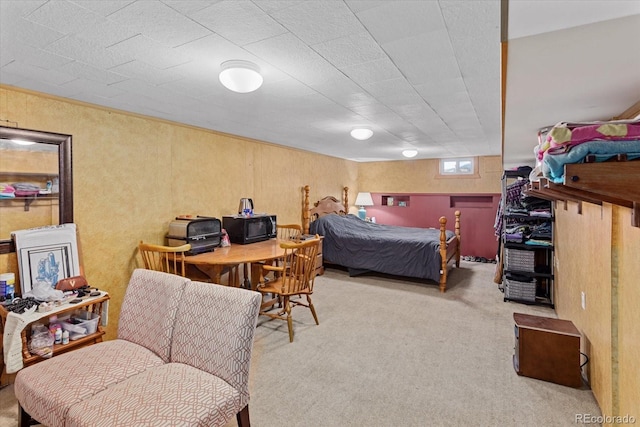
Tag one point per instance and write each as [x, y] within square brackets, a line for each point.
[478, 213]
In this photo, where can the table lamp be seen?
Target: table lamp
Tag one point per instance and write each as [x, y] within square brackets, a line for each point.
[363, 199]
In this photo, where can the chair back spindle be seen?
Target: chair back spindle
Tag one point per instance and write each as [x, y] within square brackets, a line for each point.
[300, 271]
[289, 232]
[168, 259]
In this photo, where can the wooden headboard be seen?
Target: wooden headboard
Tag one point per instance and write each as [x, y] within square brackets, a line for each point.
[324, 206]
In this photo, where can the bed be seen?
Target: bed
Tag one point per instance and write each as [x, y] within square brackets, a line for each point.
[362, 246]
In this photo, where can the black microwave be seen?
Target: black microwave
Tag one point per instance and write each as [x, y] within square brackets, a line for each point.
[242, 229]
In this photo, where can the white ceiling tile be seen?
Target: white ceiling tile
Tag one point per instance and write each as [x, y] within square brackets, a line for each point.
[441, 87]
[361, 5]
[189, 7]
[270, 6]
[16, 9]
[33, 73]
[101, 7]
[83, 86]
[39, 85]
[15, 29]
[317, 21]
[63, 16]
[159, 22]
[313, 72]
[149, 51]
[417, 55]
[344, 92]
[349, 50]
[371, 72]
[80, 70]
[15, 78]
[87, 52]
[400, 19]
[143, 71]
[239, 21]
[282, 51]
[106, 33]
[33, 56]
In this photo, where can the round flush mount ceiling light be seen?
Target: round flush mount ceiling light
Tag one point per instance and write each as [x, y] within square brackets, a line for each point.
[410, 153]
[240, 76]
[361, 133]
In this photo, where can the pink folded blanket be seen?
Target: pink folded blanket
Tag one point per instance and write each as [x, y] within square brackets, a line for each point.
[563, 136]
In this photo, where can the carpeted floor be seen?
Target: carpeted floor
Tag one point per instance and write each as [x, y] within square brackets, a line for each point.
[392, 352]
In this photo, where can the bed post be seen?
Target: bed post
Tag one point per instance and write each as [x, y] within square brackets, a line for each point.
[305, 211]
[443, 254]
[457, 213]
[345, 199]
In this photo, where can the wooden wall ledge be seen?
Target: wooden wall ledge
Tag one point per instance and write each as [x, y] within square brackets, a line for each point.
[612, 182]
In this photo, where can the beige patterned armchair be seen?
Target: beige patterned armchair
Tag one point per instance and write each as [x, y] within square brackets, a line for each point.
[181, 359]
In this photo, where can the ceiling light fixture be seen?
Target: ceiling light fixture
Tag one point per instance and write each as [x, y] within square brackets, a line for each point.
[361, 133]
[410, 153]
[240, 76]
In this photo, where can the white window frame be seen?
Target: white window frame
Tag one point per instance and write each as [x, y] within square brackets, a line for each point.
[458, 170]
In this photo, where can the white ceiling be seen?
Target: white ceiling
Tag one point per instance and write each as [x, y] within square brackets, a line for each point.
[422, 74]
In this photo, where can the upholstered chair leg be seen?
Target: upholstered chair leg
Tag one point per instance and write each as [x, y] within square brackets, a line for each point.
[313, 310]
[24, 419]
[242, 417]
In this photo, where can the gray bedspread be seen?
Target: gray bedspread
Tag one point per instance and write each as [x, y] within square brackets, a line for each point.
[360, 245]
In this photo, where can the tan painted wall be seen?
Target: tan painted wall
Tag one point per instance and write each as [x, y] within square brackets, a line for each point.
[597, 253]
[628, 315]
[421, 176]
[133, 174]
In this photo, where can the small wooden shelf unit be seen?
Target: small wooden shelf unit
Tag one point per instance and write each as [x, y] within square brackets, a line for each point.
[93, 305]
[547, 349]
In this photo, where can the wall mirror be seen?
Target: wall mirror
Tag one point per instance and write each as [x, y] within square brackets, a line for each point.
[40, 164]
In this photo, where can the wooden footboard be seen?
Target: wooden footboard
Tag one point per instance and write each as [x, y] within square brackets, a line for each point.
[448, 249]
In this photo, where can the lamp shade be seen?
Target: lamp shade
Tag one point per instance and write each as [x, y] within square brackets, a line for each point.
[240, 76]
[364, 199]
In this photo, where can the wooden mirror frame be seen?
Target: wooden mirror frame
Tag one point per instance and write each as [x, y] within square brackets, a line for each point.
[65, 195]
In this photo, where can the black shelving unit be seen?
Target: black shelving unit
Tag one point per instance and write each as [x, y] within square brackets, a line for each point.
[527, 275]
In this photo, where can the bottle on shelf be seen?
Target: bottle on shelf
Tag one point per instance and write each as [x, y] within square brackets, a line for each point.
[58, 335]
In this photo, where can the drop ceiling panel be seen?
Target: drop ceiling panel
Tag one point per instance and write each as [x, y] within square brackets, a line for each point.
[63, 16]
[85, 51]
[159, 22]
[401, 19]
[349, 50]
[424, 74]
[317, 21]
[240, 22]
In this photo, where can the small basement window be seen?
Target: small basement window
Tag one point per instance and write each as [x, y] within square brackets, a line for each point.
[457, 167]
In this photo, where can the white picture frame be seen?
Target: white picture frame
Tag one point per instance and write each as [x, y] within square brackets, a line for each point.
[46, 254]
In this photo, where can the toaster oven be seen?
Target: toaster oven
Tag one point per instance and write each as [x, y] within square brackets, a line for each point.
[252, 229]
[204, 234]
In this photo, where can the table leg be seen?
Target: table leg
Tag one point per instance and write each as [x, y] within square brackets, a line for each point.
[247, 282]
[213, 271]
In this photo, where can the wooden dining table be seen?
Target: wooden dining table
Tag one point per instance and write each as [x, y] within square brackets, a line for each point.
[212, 264]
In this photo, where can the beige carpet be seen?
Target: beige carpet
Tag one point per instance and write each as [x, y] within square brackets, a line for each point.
[392, 352]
